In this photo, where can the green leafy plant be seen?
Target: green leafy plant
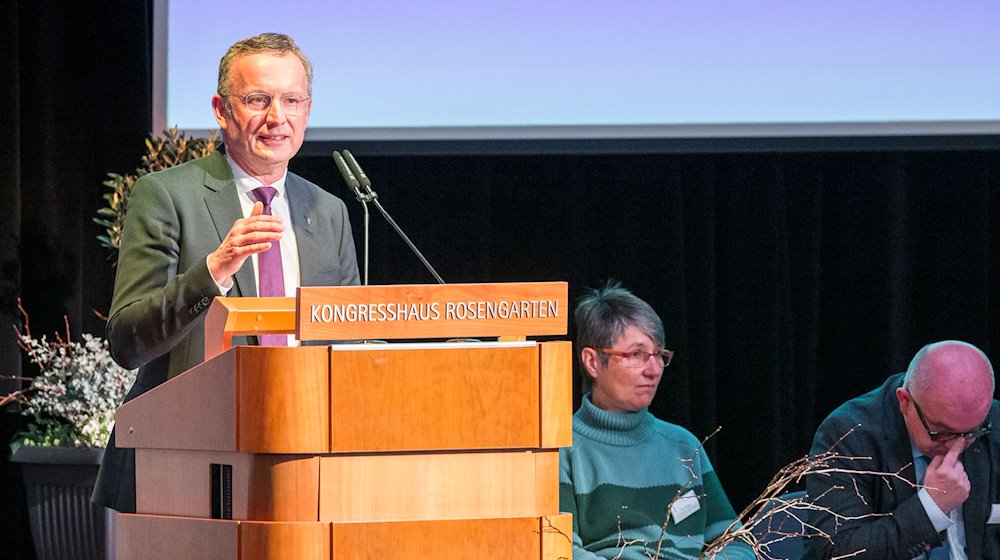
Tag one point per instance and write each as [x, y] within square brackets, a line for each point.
[71, 401]
[166, 150]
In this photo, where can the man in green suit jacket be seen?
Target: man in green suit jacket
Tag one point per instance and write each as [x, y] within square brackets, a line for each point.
[192, 230]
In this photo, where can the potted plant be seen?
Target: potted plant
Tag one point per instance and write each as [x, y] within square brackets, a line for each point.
[69, 405]
[167, 150]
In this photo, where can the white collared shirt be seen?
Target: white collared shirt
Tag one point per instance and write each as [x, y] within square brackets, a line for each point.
[940, 520]
[279, 207]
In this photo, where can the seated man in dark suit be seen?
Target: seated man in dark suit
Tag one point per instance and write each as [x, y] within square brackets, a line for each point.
[920, 477]
[234, 224]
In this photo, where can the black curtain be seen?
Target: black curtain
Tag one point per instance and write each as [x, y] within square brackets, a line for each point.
[788, 281]
[75, 83]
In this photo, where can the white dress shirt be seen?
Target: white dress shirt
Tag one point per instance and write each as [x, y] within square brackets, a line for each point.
[279, 207]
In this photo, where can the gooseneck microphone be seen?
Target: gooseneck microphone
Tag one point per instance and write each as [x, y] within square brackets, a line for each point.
[358, 182]
[354, 185]
[363, 179]
[345, 172]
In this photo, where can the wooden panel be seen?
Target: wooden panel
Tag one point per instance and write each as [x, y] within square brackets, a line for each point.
[283, 398]
[456, 398]
[284, 488]
[547, 482]
[438, 485]
[284, 541]
[228, 316]
[557, 536]
[254, 399]
[195, 410]
[432, 311]
[556, 394]
[172, 482]
[497, 539]
[265, 487]
[149, 537]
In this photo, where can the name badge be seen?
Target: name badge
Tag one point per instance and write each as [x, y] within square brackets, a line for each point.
[684, 506]
[994, 515]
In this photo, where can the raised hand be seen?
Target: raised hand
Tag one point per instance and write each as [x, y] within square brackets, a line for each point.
[945, 480]
[250, 235]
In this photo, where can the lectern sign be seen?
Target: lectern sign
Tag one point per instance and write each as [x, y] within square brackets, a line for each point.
[432, 311]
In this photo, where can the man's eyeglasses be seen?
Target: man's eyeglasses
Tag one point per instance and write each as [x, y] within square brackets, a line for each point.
[638, 358]
[981, 431]
[258, 102]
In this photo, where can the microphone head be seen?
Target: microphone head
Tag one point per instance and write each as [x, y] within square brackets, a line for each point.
[345, 171]
[353, 163]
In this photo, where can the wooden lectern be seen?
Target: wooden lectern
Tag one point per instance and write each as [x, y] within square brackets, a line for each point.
[359, 450]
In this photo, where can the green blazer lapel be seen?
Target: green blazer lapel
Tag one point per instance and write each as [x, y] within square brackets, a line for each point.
[223, 204]
[305, 222]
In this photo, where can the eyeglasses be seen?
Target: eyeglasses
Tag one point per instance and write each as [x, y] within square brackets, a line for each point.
[985, 428]
[258, 102]
[638, 358]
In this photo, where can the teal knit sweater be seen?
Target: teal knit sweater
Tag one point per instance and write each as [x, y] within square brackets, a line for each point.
[618, 479]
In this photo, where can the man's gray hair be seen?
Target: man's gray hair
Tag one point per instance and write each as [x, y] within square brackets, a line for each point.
[264, 43]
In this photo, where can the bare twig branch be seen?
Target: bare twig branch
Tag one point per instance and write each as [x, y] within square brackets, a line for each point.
[758, 517]
[761, 524]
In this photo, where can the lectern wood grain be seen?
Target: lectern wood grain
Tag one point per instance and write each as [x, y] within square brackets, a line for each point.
[283, 400]
[496, 539]
[556, 394]
[284, 541]
[416, 486]
[434, 399]
[195, 410]
[153, 537]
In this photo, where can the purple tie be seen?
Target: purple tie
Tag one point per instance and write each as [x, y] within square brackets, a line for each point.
[272, 277]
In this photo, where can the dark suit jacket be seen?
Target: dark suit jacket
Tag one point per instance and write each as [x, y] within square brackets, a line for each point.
[880, 435]
[163, 287]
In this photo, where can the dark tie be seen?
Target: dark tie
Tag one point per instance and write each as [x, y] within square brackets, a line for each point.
[939, 552]
[272, 277]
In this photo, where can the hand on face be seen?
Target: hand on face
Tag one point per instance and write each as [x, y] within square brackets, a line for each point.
[247, 236]
[946, 480]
